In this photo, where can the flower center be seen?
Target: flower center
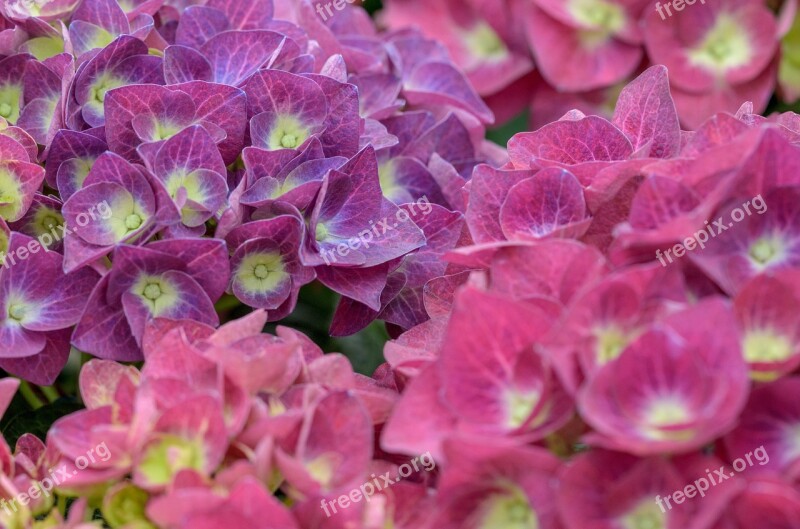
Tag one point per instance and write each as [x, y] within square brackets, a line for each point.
[606, 17]
[133, 221]
[321, 232]
[16, 312]
[5, 110]
[261, 271]
[520, 406]
[726, 46]
[510, 510]
[645, 516]
[289, 141]
[611, 341]
[152, 291]
[483, 41]
[765, 251]
[765, 345]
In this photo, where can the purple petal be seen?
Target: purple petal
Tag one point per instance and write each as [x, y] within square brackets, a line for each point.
[236, 55]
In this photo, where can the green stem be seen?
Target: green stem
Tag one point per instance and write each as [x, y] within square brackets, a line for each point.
[26, 391]
[50, 392]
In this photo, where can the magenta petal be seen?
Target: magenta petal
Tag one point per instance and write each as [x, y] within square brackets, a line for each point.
[29, 177]
[106, 14]
[103, 330]
[361, 284]
[66, 302]
[124, 104]
[236, 55]
[198, 24]
[570, 142]
[543, 205]
[18, 342]
[250, 15]
[191, 303]
[573, 64]
[223, 106]
[43, 367]
[646, 113]
[440, 82]
[206, 260]
[183, 64]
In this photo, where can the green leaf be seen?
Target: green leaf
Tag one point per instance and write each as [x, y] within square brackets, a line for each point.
[36, 422]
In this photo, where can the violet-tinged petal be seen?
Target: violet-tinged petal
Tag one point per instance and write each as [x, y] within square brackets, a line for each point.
[236, 55]
[292, 108]
[198, 24]
[152, 106]
[19, 181]
[80, 148]
[11, 73]
[173, 295]
[104, 13]
[104, 331]
[205, 260]
[343, 122]
[442, 83]
[183, 64]
[361, 284]
[246, 15]
[43, 367]
[85, 37]
[226, 108]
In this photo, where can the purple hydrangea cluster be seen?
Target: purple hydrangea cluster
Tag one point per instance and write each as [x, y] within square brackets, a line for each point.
[223, 147]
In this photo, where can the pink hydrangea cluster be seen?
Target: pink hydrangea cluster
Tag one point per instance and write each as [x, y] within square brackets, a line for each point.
[630, 304]
[598, 327]
[555, 55]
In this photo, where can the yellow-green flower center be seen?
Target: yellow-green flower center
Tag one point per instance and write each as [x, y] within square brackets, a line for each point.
[601, 20]
[261, 271]
[766, 346]
[321, 232]
[484, 42]
[288, 132]
[152, 291]
[50, 222]
[646, 516]
[610, 343]
[133, 221]
[510, 510]
[766, 250]
[16, 312]
[726, 46]
[520, 406]
[289, 141]
[5, 110]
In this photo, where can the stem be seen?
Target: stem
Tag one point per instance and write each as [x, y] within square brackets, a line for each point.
[50, 392]
[26, 391]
